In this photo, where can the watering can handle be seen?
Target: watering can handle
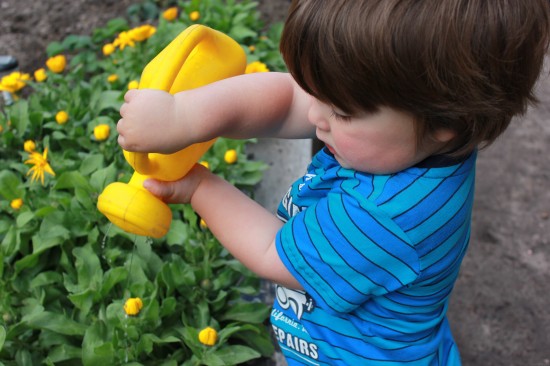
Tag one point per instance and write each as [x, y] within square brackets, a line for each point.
[198, 56]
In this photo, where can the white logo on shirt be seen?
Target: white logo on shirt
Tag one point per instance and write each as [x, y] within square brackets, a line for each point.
[298, 301]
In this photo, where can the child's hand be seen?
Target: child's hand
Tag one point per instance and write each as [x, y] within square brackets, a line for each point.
[149, 122]
[179, 191]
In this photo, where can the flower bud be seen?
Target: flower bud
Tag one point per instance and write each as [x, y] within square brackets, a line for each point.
[102, 132]
[61, 117]
[16, 204]
[230, 156]
[170, 13]
[194, 16]
[208, 336]
[29, 146]
[133, 306]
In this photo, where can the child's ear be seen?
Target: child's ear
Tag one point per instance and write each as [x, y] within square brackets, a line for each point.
[444, 134]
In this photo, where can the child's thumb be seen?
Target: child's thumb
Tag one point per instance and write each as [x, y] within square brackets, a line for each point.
[161, 190]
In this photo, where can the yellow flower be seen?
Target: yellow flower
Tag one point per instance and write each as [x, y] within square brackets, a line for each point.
[14, 82]
[56, 63]
[112, 78]
[230, 156]
[133, 306]
[61, 117]
[29, 146]
[134, 84]
[170, 13]
[16, 203]
[101, 132]
[124, 39]
[194, 16]
[40, 165]
[108, 49]
[203, 224]
[140, 34]
[205, 164]
[256, 66]
[252, 48]
[1, 128]
[40, 75]
[208, 336]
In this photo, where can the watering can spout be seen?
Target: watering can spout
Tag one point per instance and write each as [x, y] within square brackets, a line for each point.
[196, 57]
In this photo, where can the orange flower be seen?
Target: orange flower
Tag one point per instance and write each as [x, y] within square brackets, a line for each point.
[56, 63]
[256, 66]
[40, 75]
[194, 16]
[40, 165]
[170, 13]
[16, 204]
[134, 84]
[108, 49]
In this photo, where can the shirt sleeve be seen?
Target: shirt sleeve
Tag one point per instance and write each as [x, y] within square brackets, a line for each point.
[344, 251]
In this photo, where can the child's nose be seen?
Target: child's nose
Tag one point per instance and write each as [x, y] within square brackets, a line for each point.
[316, 116]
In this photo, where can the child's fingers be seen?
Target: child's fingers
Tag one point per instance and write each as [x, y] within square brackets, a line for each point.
[129, 95]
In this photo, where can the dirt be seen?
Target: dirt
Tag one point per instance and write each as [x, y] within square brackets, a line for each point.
[500, 310]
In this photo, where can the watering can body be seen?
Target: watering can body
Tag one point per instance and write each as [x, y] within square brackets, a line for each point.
[196, 57]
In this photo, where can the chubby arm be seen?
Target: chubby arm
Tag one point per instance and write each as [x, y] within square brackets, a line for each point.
[243, 226]
[246, 106]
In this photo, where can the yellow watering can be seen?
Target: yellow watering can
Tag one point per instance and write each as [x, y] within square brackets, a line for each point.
[196, 57]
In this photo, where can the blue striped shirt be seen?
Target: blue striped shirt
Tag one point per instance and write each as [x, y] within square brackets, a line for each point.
[377, 256]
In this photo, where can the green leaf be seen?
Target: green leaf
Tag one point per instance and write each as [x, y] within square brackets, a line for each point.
[91, 163]
[19, 114]
[70, 180]
[241, 32]
[11, 242]
[102, 177]
[45, 279]
[10, 185]
[230, 355]
[83, 300]
[111, 278]
[64, 352]
[178, 233]
[54, 322]
[109, 99]
[49, 236]
[28, 261]
[247, 312]
[24, 218]
[2, 337]
[54, 48]
[95, 348]
[88, 267]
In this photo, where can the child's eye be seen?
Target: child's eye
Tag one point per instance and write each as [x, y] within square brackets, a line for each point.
[339, 116]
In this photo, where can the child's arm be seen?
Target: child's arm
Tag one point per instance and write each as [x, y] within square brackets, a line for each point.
[246, 106]
[244, 227]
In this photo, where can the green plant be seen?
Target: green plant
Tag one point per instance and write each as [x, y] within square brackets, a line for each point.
[65, 271]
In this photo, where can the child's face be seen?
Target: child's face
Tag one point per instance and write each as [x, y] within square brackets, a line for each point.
[380, 143]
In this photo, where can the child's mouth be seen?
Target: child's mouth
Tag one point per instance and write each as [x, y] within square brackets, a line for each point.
[330, 148]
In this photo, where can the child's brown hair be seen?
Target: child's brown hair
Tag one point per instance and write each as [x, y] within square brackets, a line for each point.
[465, 65]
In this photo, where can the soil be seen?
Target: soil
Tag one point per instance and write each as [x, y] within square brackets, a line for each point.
[500, 311]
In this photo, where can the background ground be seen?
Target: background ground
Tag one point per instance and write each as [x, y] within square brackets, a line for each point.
[500, 311]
